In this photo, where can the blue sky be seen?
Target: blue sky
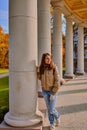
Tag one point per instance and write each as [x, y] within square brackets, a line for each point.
[4, 14]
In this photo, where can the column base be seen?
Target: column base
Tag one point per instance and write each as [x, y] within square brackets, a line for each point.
[80, 73]
[62, 81]
[4, 126]
[69, 76]
[23, 121]
[40, 94]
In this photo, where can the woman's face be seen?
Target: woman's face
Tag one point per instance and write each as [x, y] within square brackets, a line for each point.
[47, 59]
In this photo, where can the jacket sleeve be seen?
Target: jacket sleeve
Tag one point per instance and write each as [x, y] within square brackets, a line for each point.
[56, 84]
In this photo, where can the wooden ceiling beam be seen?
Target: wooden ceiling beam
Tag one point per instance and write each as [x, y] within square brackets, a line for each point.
[78, 8]
[84, 1]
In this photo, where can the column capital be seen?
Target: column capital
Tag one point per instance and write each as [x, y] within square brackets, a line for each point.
[81, 24]
[69, 17]
[57, 10]
[57, 7]
[57, 4]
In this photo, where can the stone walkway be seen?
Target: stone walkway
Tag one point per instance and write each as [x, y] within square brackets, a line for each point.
[72, 105]
[3, 75]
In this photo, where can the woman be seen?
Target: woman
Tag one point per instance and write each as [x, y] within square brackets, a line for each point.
[48, 74]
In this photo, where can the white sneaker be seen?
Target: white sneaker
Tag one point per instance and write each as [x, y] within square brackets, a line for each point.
[52, 127]
[57, 122]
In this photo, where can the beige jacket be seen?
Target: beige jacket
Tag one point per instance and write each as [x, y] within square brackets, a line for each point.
[50, 80]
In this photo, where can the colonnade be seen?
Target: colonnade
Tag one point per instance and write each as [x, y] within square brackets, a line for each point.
[30, 37]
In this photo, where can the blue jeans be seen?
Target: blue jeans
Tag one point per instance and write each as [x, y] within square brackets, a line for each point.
[53, 114]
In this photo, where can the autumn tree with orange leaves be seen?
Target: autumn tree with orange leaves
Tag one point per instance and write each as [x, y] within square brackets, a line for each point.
[3, 49]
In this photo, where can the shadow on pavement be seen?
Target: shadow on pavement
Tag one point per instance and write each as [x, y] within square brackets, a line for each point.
[72, 108]
[73, 91]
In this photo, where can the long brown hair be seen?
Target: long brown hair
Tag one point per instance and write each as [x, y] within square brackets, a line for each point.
[42, 65]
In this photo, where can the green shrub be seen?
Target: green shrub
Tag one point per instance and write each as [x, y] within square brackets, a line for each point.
[3, 111]
[63, 71]
[4, 96]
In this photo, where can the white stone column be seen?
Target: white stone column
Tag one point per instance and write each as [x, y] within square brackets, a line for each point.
[69, 49]
[22, 67]
[80, 50]
[57, 39]
[44, 33]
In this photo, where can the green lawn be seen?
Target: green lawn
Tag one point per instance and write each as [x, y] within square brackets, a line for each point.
[3, 71]
[3, 82]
